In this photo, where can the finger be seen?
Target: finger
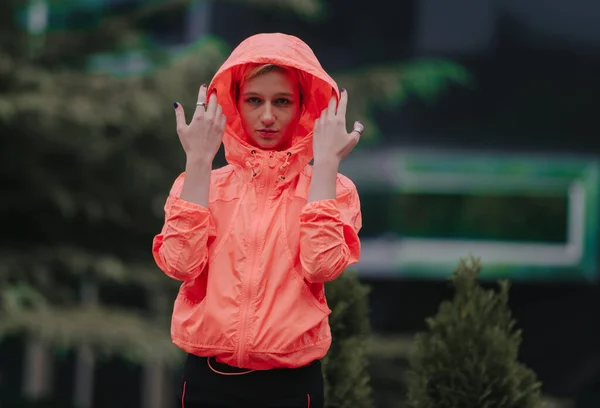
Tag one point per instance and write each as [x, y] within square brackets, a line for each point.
[201, 98]
[354, 139]
[218, 111]
[211, 108]
[341, 109]
[357, 131]
[179, 117]
[323, 114]
[223, 122]
[331, 107]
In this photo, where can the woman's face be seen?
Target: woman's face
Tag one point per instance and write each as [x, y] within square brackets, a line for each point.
[269, 106]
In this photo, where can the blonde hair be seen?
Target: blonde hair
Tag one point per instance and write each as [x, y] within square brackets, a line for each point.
[244, 73]
[263, 69]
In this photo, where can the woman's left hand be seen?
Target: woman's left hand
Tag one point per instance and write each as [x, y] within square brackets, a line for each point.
[331, 141]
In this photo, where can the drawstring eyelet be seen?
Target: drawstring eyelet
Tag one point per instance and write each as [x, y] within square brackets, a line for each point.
[285, 165]
[252, 165]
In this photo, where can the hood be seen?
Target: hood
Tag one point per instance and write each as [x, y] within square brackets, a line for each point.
[279, 49]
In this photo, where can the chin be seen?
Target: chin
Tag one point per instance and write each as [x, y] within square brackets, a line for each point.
[270, 144]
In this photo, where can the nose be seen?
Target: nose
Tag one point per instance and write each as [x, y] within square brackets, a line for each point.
[267, 116]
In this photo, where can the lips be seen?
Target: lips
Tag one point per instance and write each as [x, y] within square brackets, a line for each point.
[268, 133]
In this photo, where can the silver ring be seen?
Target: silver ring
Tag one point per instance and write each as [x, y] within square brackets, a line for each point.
[201, 104]
[358, 130]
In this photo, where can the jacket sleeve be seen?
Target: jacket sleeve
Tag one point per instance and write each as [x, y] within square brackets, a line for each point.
[329, 240]
[181, 248]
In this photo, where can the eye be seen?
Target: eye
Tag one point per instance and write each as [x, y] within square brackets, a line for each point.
[253, 100]
[283, 101]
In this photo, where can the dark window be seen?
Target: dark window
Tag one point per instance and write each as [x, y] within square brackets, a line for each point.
[516, 218]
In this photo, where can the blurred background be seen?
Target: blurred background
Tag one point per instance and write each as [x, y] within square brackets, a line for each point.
[481, 138]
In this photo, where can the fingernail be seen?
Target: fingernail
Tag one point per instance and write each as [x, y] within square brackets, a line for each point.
[204, 85]
[343, 90]
[175, 105]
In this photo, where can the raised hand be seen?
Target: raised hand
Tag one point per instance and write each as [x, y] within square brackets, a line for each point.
[202, 138]
[331, 140]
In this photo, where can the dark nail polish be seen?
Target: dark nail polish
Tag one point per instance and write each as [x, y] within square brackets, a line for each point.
[204, 85]
[343, 90]
[175, 105]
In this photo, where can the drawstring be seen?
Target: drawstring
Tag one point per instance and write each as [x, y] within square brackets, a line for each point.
[223, 373]
[285, 165]
[252, 165]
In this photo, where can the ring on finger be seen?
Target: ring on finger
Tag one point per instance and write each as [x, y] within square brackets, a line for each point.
[359, 130]
[203, 104]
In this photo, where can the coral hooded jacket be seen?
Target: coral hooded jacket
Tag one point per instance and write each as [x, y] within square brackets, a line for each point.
[254, 263]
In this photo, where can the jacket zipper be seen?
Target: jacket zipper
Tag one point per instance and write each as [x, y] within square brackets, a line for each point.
[255, 259]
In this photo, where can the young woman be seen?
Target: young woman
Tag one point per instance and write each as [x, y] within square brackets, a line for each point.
[255, 241]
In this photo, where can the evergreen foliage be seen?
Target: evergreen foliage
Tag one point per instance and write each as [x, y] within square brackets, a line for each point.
[469, 356]
[347, 382]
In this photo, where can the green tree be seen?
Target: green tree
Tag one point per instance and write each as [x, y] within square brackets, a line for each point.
[469, 356]
[88, 158]
[347, 383]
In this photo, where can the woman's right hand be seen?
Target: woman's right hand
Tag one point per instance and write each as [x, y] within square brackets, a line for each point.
[202, 138]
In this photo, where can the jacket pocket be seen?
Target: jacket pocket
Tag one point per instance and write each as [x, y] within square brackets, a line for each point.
[316, 299]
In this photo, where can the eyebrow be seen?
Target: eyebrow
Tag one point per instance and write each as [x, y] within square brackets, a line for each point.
[288, 94]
